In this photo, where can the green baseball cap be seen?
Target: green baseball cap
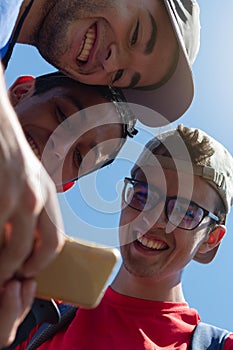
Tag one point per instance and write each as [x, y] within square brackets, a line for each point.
[216, 168]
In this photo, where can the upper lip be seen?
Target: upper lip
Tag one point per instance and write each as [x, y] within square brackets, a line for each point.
[150, 235]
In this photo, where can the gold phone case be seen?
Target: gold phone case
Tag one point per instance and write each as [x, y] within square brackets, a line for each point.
[78, 275]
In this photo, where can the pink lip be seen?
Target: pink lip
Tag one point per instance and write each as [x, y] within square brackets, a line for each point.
[148, 234]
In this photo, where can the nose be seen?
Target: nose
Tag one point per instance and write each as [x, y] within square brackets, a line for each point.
[59, 145]
[156, 218]
[59, 152]
[115, 59]
[54, 156]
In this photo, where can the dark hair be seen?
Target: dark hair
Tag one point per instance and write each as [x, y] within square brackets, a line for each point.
[112, 94]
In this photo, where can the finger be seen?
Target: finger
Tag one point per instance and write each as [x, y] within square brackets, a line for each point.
[19, 240]
[16, 300]
[50, 240]
[28, 291]
[7, 207]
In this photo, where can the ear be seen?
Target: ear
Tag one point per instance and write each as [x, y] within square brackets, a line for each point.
[68, 185]
[23, 86]
[209, 247]
[213, 239]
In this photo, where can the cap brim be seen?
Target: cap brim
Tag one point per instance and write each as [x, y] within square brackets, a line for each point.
[172, 99]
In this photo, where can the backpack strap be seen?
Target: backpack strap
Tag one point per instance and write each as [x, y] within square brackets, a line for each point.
[47, 331]
[42, 311]
[208, 337]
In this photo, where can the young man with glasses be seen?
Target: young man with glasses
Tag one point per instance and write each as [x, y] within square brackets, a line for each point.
[174, 209]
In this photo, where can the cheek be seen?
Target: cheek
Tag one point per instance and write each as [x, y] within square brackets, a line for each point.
[128, 215]
[34, 115]
[127, 225]
[188, 244]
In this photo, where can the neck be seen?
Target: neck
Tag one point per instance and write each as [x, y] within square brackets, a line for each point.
[150, 288]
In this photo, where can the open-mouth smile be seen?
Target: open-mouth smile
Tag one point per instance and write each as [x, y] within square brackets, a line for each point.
[33, 146]
[151, 244]
[87, 45]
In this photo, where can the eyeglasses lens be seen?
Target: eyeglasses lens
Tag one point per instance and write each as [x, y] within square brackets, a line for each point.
[183, 214]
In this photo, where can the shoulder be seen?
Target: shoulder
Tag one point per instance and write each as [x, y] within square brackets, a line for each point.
[228, 342]
[207, 336]
[8, 16]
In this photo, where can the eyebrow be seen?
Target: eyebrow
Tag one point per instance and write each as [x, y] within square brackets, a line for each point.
[135, 79]
[147, 51]
[153, 37]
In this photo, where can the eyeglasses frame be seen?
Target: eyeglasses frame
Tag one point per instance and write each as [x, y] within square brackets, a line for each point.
[206, 212]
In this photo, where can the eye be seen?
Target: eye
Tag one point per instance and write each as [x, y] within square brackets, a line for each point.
[135, 34]
[190, 213]
[140, 194]
[77, 157]
[137, 200]
[63, 119]
[60, 114]
[118, 75]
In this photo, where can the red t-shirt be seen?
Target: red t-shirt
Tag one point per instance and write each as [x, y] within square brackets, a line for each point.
[125, 323]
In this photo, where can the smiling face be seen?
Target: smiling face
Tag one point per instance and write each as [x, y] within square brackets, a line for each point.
[120, 42]
[69, 140]
[149, 251]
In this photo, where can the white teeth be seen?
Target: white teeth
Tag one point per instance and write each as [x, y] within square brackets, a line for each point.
[87, 45]
[33, 146]
[148, 243]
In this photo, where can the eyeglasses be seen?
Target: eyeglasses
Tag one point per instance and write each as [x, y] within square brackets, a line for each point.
[179, 211]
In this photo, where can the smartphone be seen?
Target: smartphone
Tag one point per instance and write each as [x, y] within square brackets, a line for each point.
[79, 273]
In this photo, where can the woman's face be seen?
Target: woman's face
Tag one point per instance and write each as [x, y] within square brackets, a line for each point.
[73, 130]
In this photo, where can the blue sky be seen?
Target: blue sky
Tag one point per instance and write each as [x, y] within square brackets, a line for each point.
[208, 288]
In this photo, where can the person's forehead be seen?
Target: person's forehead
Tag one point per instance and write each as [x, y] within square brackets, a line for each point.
[155, 175]
[93, 101]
